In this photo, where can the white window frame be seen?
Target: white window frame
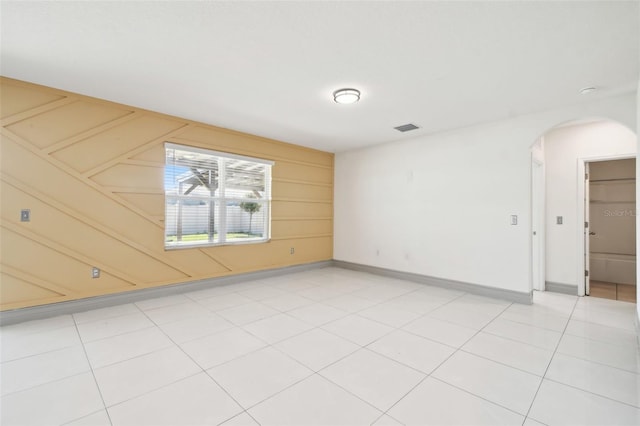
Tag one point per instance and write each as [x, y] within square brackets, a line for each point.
[221, 199]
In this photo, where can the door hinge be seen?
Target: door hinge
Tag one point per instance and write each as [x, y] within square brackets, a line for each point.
[586, 273]
[586, 224]
[586, 176]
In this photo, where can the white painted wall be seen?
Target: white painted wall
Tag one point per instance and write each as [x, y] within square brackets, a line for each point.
[637, 207]
[563, 147]
[440, 205]
[537, 150]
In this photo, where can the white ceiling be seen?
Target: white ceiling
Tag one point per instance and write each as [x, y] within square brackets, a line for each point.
[269, 68]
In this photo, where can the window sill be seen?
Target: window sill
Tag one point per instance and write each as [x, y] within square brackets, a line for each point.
[225, 244]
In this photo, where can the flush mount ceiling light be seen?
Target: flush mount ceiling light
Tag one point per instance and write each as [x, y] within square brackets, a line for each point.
[587, 90]
[346, 96]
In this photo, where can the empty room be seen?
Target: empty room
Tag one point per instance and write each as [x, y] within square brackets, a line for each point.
[319, 213]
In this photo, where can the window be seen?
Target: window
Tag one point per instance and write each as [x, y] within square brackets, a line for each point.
[214, 198]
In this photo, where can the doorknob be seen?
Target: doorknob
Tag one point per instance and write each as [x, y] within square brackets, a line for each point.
[592, 233]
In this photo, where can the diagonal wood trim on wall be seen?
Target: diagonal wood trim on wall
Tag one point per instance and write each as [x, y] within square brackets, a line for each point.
[91, 173]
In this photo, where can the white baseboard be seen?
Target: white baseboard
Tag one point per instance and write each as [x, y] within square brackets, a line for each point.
[481, 290]
[74, 306]
[561, 288]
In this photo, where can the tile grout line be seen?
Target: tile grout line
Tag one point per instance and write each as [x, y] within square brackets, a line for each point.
[529, 324]
[481, 397]
[520, 341]
[314, 372]
[124, 333]
[88, 415]
[273, 346]
[195, 374]
[394, 328]
[460, 349]
[622, 345]
[637, 373]
[440, 364]
[82, 344]
[93, 374]
[637, 407]
[38, 354]
[602, 341]
[157, 326]
[502, 363]
[316, 327]
[44, 384]
[134, 357]
[152, 326]
[8, 329]
[402, 329]
[551, 360]
[428, 314]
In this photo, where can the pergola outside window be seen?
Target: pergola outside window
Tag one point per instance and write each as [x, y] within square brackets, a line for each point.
[215, 198]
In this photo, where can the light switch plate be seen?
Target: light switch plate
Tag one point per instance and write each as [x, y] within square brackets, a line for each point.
[558, 220]
[25, 215]
[514, 219]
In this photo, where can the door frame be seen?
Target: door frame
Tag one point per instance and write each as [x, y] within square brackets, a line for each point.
[583, 256]
[538, 224]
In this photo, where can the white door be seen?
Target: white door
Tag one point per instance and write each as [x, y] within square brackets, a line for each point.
[537, 226]
[586, 229]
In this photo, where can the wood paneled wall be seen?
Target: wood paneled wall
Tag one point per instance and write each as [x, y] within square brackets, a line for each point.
[91, 172]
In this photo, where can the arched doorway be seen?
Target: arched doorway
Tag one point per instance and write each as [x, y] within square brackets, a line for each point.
[559, 159]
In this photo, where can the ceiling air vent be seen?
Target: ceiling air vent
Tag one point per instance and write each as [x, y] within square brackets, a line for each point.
[406, 127]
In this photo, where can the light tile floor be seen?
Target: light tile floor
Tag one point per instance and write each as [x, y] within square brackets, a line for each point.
[326, 347]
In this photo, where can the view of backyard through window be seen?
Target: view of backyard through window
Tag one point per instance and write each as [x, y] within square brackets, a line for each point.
[214, 198]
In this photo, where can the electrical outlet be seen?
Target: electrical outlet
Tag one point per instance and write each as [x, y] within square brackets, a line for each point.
[514, 219]
[292, 251]
[559, 220]
[95, 272]
[25, 215]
